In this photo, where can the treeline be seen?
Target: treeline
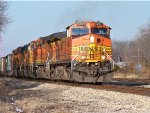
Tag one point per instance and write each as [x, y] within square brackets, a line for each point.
[136, 51]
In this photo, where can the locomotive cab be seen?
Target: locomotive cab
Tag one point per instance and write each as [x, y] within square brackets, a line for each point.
[91, 40]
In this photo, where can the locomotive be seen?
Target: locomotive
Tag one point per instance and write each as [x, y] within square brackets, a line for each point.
[82, 53]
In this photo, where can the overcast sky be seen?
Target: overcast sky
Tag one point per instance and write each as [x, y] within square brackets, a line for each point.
[31, 20]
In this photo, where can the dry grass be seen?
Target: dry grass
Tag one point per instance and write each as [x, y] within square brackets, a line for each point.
[131, 75]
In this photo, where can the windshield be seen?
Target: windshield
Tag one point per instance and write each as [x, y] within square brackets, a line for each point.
[80, 31]
[100, 31]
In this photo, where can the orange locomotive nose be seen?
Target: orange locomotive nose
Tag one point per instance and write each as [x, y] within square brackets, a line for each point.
[90, 48]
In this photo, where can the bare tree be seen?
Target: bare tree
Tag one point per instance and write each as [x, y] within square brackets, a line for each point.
[143, 42]
[120, 50]
[4, 19]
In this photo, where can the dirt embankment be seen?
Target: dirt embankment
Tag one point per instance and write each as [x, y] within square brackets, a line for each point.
[5, 101]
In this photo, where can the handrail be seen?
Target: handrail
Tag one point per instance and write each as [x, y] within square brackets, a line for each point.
[113, 62]
[75, 57]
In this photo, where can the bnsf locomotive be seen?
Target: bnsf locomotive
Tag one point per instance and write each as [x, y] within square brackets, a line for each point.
[82, 53]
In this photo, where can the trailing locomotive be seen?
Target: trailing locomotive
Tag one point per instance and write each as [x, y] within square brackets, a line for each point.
[82, 53]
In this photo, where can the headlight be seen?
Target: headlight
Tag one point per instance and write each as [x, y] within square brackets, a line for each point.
[83, 57]
[29, 48]
[103, 57]
[92, 39]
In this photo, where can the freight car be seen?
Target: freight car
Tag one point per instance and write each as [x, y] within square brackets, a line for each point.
[82, 53]
[3, 65]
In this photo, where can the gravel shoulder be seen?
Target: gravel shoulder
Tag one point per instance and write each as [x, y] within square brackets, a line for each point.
[38, 97]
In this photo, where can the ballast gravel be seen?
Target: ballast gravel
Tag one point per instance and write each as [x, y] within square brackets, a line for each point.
[35, 97]
[87, 100]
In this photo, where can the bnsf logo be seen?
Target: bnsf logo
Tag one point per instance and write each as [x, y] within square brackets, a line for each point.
[90, 49]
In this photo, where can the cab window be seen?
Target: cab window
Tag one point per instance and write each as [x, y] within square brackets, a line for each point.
[100, 31]
[80, 31]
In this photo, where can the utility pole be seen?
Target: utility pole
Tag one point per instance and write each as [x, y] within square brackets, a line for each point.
[138, 56]
[138, 66]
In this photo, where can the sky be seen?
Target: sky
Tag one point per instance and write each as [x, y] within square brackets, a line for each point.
[34, 19]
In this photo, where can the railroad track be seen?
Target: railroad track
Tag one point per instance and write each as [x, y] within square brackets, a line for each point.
[118, 86]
